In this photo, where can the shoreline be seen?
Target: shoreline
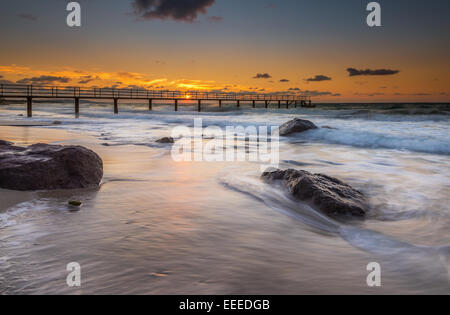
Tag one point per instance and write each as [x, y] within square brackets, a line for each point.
[11, 198]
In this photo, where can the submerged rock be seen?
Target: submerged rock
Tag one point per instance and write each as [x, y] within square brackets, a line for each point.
[166, 140]
[296, 126]
[48, 167]
[327, 194]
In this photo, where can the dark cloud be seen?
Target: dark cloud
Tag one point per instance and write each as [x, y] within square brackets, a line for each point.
[27, 16]
[317, 93]
[215, 19]
[318, 78]
[354, 72]
[44, 79]
[313, 92]
[179, 10]
[1, 77]
[262, 76]
[284, 80]
[6, 82]
[86, 79]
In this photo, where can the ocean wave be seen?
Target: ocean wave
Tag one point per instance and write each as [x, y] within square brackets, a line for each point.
[377, 140]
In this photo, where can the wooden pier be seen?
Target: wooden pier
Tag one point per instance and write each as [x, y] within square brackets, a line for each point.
[30, 92]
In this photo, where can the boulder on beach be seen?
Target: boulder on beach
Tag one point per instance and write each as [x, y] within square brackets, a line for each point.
[327, 194]
[166, 140]
[296, 125]
[49, 167]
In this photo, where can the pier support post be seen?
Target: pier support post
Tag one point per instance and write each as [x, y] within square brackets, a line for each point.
[176, 105]
[267, 104]
[279, 104]
[199, 106]
[116, 106]
[29, 107]
[287, 104]
[150, 104]
[220, 103]
[238, 103]
[77, 107]
[310, 105]
[254, 104]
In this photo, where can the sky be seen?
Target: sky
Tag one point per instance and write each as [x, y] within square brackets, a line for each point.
[322, 48]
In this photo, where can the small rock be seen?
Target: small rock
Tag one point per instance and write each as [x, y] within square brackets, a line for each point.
[56, 122]
[296, 126]
[75, 203]
[166, 140]
[327, 194]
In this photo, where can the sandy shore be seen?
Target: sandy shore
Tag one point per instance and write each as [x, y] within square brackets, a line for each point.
[23, 123]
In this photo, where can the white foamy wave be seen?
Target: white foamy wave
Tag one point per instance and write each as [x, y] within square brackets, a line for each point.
[378, 140]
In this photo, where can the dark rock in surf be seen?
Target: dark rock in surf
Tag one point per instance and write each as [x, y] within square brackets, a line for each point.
[166, 140]
[49, 167]
[296, 126]
[327, 194]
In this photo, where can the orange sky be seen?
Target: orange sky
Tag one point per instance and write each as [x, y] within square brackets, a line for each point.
[112, 49]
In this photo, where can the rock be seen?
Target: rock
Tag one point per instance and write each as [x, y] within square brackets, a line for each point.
[2, 142]
[295, 126]
[327, 194]
[74, 203]
[166, 140]
[57, 122]
[49, 167]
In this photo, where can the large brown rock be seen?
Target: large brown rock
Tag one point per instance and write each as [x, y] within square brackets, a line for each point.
[49, 167]
[327, 194]
[296, 126]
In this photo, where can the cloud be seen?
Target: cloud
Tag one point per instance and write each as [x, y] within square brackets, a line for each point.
[313, 92]
[44, 79]
[284, 80]
[318, 78]
[262, 76]
[87, 79]
[6, 82]
[1, 77]
[215, 19]
[178, 10]
[354, 72]
[27, 16]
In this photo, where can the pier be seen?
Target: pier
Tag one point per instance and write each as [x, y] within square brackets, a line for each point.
[31, 92]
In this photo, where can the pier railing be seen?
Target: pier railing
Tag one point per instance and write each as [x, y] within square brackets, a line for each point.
[30, 92]
[42, 91]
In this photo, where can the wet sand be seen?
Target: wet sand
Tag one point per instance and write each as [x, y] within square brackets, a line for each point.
[159, 227]
[10, 198]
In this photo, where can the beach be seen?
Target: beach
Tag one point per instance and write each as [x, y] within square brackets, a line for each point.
[156, 226]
